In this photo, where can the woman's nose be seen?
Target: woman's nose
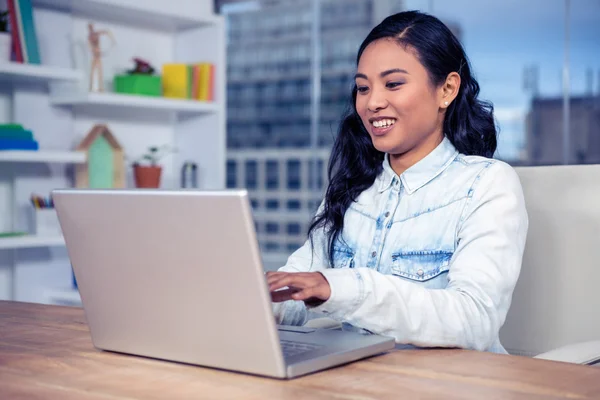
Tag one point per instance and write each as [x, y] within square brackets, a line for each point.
[377, 101]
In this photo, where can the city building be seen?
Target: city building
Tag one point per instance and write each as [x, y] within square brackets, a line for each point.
[544, 128]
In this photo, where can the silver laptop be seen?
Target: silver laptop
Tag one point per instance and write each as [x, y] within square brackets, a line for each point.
[177, 275]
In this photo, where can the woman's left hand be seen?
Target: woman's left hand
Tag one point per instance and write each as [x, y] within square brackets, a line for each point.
[310, 287]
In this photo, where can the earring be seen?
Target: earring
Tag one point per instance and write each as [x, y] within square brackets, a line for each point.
[446, 103]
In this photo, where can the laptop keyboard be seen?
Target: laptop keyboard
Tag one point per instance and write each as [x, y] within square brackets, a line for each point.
[291, 348]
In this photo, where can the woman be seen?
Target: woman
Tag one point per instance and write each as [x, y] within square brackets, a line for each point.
[421, 233]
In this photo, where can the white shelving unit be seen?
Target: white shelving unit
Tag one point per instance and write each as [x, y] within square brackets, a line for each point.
[52, 100]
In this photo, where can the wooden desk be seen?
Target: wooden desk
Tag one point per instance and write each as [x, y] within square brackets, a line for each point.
[46, 353]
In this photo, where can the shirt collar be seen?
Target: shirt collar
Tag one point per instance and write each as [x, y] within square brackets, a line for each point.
[422, 172]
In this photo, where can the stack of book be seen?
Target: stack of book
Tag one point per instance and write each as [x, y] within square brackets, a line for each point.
[189, 81]
[15, 137]
[22, 28]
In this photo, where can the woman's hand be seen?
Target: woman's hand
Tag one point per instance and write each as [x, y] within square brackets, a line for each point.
[310, 287]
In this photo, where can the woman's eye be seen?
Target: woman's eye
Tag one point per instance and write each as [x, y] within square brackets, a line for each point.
[393, 85]
[361, 89]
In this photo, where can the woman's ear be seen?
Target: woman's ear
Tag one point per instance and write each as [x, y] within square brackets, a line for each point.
[449, 90]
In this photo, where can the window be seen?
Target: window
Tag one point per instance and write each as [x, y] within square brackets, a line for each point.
[251, 172]
[293, 174]
[272, 227]
[293, 229]
[269, 83]
[271, 246]
[231, 174]
[293, 204]
[272, 204]
[272, 170]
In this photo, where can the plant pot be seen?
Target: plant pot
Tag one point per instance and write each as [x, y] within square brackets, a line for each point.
[146, 176]
[5, 47]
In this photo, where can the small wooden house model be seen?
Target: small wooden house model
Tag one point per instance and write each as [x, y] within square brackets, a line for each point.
[105, 167]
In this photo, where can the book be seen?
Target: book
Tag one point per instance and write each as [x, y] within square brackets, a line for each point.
[18, 144]
[14, 32]
[175, 81]
[20, 134]
[11, 126]
[204, 82]
[29, 31]
[211, 83]
[189, 81]
[20, 30]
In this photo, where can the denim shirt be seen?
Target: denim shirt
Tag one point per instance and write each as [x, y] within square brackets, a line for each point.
[430, 257]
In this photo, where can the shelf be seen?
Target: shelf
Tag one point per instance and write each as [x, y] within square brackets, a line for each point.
[154, 15]
[43, 156]
[28, 241]
[68, 297]
[121, 101]
[23, 73]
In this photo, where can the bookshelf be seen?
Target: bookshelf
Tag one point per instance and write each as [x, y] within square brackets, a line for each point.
[53, 101]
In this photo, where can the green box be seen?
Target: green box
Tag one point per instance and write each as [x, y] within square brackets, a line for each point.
[141, 84]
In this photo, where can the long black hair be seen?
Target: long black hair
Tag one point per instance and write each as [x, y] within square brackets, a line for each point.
[468, 124]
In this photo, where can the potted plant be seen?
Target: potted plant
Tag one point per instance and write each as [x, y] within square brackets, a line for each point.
[146, 170]
[5, 37]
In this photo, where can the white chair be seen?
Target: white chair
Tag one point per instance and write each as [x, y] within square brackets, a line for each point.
[555, 312]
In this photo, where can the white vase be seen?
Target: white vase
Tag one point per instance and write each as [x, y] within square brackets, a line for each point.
[5, 46]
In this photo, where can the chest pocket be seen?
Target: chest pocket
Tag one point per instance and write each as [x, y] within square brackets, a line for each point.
[343, 257]
[420, 266]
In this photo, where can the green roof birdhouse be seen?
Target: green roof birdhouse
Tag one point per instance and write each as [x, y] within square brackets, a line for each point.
[105, 167]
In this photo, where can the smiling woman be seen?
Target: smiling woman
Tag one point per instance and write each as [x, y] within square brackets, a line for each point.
[421, 233]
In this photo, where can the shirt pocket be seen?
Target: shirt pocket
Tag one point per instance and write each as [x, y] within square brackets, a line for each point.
[343, 257]
[422, 265]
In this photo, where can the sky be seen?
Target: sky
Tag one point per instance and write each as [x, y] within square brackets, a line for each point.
[503, 37]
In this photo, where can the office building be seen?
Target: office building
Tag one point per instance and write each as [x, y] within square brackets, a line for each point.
[545, 131]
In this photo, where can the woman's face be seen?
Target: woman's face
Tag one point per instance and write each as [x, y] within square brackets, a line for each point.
[398, 105]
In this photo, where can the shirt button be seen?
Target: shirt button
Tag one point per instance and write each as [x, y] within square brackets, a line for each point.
[420, 272]
[387, 214]
[373, 254]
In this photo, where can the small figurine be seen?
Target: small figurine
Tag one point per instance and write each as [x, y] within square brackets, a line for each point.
[97, 53]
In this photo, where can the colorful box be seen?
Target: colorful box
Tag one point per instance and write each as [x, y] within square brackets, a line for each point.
[140, 84]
